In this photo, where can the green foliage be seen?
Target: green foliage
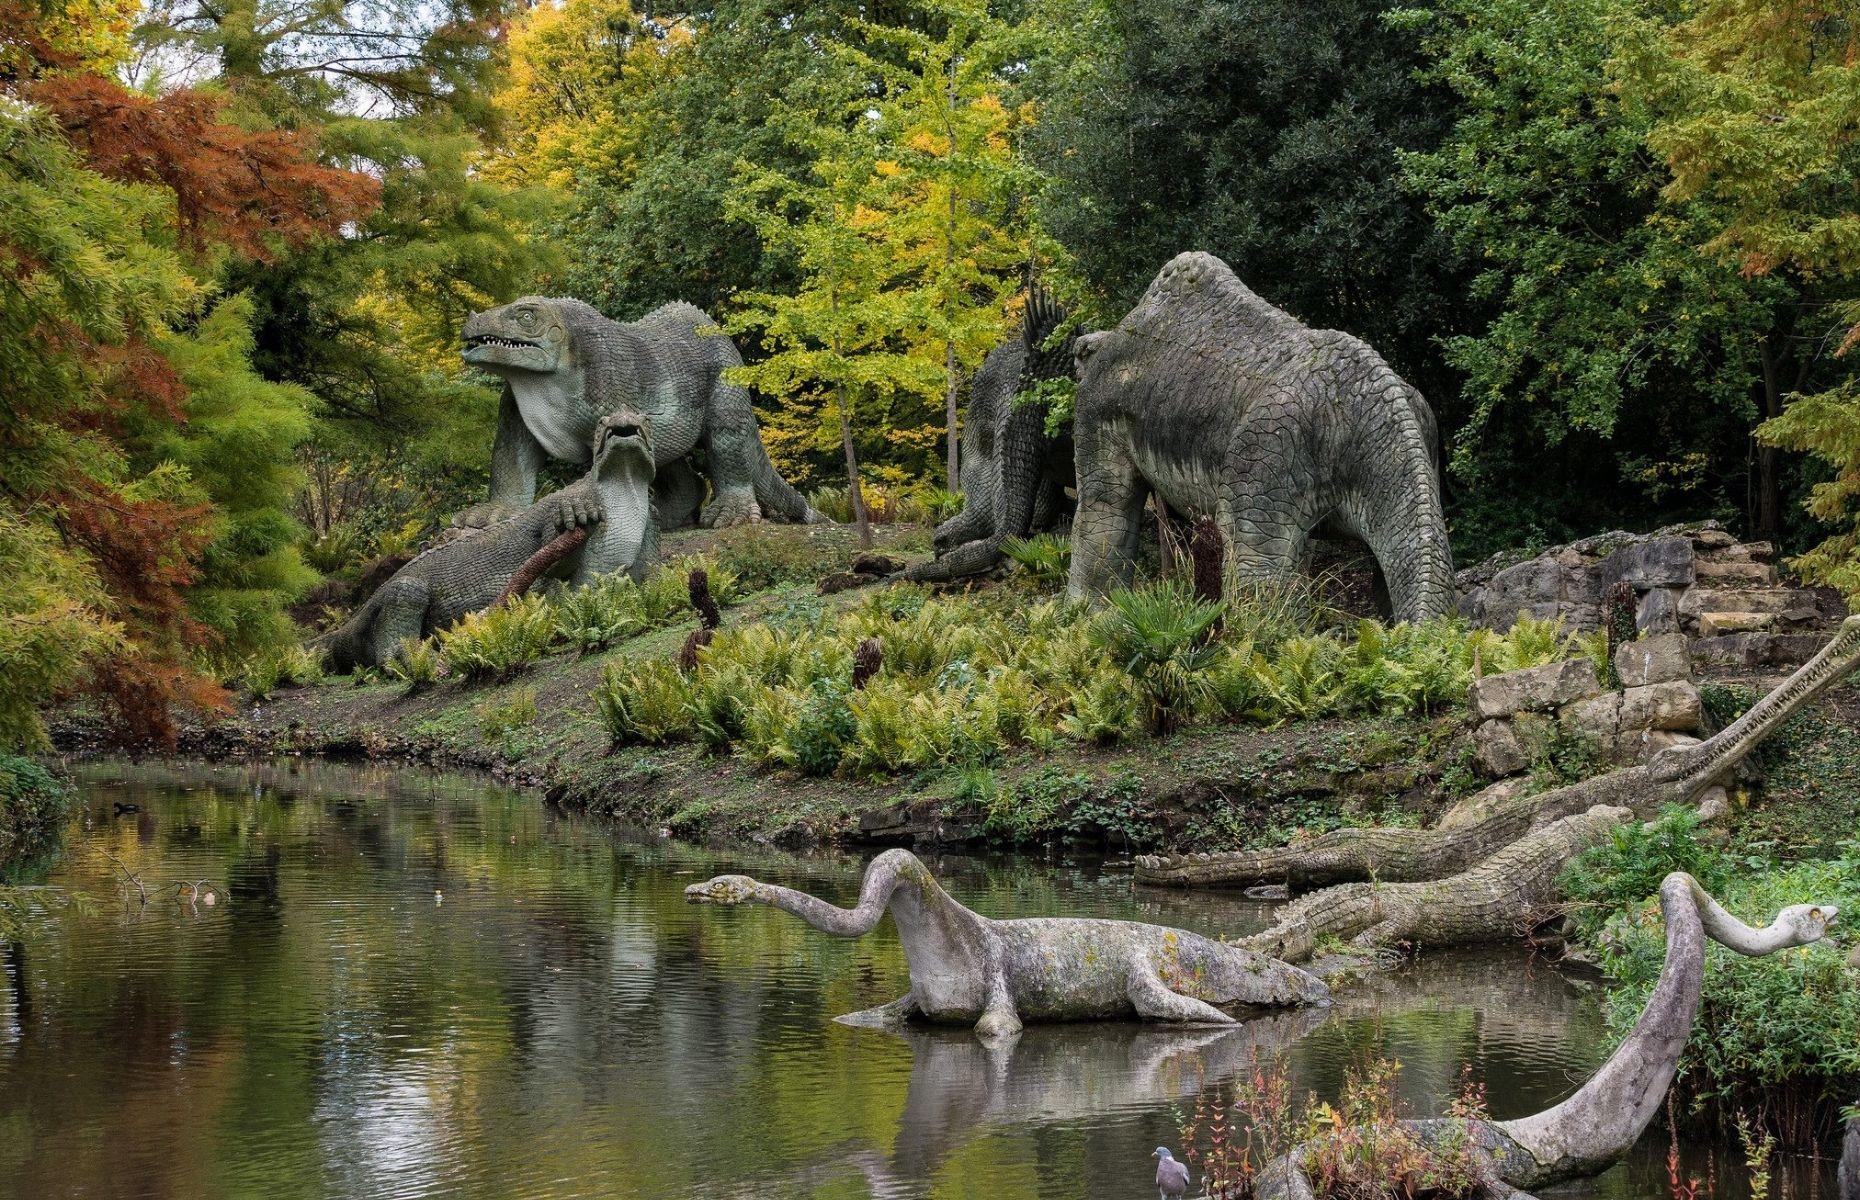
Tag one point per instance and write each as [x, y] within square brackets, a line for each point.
[1158, 634]
[646, 702]
[499, 642]
[417, 663]
[1614, 357]
[499, 718]
[594, 617]
[1045, 558]
[1628, 868]
[1778, 1034]
[32, 802]
[285, 666]
[51, 624]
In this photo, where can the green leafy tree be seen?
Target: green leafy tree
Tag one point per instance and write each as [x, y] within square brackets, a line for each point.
[1612, 356]
[1754, 111]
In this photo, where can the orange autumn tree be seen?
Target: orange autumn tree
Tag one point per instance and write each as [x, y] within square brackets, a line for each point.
[144, 468]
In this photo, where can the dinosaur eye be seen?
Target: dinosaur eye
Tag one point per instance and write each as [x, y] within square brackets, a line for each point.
[526, 317]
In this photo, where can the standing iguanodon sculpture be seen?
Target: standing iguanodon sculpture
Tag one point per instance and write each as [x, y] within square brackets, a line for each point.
[1228, 407]
[1596, 1126]
[565, 366]
[1014, 474]
[965, 967]
[611, 506]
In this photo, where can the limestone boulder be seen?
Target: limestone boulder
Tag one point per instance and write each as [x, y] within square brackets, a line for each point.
[1497, 748]
[1535, 689]
[1654, 562]
[1660, 659]
[1671, 706]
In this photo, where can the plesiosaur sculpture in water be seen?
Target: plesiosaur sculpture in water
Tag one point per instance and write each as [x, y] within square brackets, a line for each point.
[997, 974]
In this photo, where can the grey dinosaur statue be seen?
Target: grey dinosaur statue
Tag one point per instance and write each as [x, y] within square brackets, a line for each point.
[1228, 407]
[1597, 1125]
[1849, 1176]
[1013, 474]
[565, 366]
[612, 503]
[997, 974]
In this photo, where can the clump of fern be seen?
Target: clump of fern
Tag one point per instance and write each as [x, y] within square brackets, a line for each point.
[281, 667]
[1044, 558]
[499, 642]
[416, 663]
[645, 701]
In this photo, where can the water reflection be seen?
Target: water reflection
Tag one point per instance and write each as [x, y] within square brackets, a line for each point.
[418, 985]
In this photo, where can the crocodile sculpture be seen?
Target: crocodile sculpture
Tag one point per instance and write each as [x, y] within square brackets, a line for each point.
[1597, 1125]
[565, 366]
[966, 968]
[1014, 474]
[1227, 407]
[1495, 878]
[611, 503]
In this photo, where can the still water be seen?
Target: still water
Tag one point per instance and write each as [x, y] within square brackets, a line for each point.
[416, 984]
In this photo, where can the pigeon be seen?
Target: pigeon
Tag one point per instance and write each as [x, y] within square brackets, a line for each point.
[1171, 1176]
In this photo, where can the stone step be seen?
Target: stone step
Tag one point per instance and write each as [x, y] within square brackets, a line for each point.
[1712, 573]
[1717, 624]
[1698, 601]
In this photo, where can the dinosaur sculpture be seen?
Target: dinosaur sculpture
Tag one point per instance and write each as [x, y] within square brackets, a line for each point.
[967, 968]
[1850, 1161]
[1507, 862]
[1228, 407]
[1014, 476]
[565, 366]
[1596, 1126]
[610, 507]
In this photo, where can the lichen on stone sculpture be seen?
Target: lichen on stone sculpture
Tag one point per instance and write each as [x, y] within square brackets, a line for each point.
[1225, 406]
[599, 525]
[1597, 1125]
[1488, 879]
[998, 974]
[565, 366]
[1014, 474]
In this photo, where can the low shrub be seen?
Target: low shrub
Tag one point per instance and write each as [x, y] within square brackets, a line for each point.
[498, 643]
[1159, 635]
[497, 718]
[32, 802]
[645, 701]
[1629, 867]
[417, 664]
[280, 667]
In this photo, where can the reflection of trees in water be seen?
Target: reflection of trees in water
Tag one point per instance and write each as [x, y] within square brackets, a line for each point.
[13, 967]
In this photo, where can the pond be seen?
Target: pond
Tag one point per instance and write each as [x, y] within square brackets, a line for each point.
[424, 985]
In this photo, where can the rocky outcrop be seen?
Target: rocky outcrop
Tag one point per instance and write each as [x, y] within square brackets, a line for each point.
[967, 968]
[1726, 597]
[1518, 715]
[1227, 407]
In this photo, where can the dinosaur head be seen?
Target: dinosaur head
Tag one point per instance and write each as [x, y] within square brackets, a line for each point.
[1805, 923]
[623, 438]
[530, 334]
[725, 889]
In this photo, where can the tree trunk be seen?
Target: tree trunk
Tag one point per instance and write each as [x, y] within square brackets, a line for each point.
[1767, 520]
[950, 391]
[855, 495]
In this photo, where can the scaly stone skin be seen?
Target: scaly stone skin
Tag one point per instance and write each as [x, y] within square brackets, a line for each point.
[1228, 407]
[565, 366]
[1014, 476]
[1594, 1128]
[1680, 775]
[612, 502]
[997, 974]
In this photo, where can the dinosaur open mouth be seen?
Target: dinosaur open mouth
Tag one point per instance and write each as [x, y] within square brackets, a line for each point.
[473, 343]
[620, 431]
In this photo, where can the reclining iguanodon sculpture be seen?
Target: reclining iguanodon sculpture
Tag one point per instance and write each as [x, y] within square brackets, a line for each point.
[965, 967]
[610, 508]
[1596, 1126]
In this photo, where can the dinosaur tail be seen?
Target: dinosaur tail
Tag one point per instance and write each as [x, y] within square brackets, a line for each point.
[775, 496]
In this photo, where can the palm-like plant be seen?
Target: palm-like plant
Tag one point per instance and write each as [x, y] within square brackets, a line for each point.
[1159, 635]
